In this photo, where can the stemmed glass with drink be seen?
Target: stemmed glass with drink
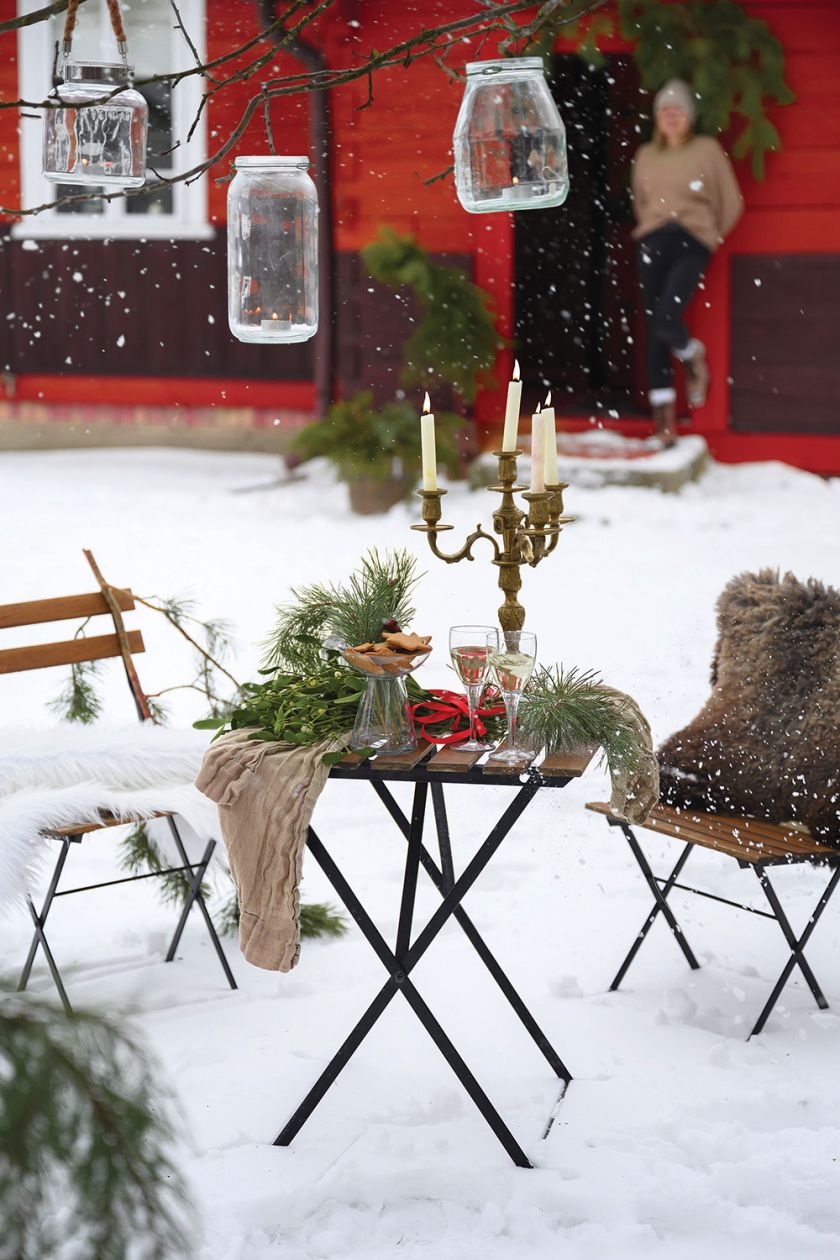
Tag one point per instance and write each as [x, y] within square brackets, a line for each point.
[470, 648]
[512, 659]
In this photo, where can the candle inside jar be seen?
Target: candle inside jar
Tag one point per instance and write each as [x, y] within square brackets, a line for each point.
[275, 323]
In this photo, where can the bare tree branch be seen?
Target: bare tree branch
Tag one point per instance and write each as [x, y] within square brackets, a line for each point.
[492, 16]
[39, 15]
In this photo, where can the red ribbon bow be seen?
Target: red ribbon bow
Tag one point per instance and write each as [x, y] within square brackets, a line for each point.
[451, 707]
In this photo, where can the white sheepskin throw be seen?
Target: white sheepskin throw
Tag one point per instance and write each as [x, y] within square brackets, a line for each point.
[69, 774]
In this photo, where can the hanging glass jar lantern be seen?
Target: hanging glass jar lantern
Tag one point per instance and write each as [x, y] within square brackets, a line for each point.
[510, 142]
[272, 224]
[104, 142]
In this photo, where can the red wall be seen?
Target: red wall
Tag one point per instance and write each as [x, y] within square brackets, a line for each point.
[383, 154]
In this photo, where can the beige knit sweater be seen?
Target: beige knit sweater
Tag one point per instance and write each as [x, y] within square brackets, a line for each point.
[693, 185]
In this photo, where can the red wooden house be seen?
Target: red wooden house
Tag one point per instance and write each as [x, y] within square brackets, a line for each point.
[123, 306]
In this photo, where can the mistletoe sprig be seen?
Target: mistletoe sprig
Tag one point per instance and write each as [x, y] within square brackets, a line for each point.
[298, 708]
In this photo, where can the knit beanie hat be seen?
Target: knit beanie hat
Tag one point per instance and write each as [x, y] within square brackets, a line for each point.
[678, 95]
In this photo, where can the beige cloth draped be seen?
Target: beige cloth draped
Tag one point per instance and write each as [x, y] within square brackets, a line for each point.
[266, 793]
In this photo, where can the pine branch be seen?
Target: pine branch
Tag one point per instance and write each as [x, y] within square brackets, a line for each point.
[379, 590]
[78, 700]
[568, 709]
[82, 1129]
[316, 919]
[138, 852]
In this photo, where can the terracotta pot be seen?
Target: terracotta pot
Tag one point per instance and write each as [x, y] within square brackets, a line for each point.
[370, 496]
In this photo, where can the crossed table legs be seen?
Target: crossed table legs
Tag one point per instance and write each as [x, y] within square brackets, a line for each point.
[400, 962]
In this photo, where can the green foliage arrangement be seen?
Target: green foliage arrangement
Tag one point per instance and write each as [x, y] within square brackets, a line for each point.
[82, 1130]
[455, 342]
[210, 640]
[379, 590]
[295, 708]
[568, 708]
[363, 442]
[309, 694]
[731, 58]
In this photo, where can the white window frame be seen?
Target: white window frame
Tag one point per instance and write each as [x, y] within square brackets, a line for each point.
[188, 220]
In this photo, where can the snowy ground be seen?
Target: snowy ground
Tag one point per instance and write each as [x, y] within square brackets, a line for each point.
[677, 1139]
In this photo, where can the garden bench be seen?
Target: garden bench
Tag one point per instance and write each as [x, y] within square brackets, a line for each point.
[110, 602]
[755, 845]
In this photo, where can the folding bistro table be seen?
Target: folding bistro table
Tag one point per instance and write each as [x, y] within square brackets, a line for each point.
[432, 773]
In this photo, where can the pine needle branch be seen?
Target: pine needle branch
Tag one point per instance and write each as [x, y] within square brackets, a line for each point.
[82, 1130]
[566, 709]
[379, 590]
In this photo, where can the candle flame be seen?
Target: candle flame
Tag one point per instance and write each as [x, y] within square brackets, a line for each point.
[515, 180]
[539, 409]
[547, 399]
[516, 369]
[274, 315]
[427, 406]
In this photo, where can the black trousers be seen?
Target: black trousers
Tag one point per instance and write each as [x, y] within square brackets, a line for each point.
[671, 265]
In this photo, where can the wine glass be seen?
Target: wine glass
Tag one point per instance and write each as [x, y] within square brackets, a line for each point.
[469, 647]
[512, 661]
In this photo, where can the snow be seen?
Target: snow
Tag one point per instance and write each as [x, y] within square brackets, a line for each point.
[677, 1138]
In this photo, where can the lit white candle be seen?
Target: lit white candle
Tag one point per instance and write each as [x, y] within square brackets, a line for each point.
[514, 399]
[275, 324]
[427, 446]
[537, 453]
[552, 475]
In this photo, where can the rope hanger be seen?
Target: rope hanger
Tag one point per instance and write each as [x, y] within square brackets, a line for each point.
[115, 14]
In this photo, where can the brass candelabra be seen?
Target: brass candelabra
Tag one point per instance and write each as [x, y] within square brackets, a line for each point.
[527, 537]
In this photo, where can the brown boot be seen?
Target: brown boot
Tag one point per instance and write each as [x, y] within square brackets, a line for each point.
[665, 419]
[697, 374]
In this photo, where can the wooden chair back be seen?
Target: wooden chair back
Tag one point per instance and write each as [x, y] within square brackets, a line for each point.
[122, 643]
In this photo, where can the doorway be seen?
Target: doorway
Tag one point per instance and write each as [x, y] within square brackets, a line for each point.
[578, 320]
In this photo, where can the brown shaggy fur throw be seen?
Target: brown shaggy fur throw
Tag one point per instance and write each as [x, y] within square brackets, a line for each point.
[767, 742]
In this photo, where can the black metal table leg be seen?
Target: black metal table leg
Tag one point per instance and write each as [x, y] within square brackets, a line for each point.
[797, 945]
[444, 840]
[660, 906]
[412, 871]
[400, 966]
[472, 934]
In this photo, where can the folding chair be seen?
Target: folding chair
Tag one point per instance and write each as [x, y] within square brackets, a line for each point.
[109, 601]
[755, 845]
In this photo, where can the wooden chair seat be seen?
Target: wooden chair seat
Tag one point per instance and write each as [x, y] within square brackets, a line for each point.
[755, 845]
[112, 602]
[745, 839]
[100, 824]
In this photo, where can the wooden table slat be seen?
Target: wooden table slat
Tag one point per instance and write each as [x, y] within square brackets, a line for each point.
[402, 761]
[494, 766]
[570, 764]
[455, 760]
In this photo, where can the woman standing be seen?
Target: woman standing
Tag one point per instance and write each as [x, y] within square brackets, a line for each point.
[686, 200]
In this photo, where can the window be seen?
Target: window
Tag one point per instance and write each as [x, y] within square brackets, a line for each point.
[153, 45]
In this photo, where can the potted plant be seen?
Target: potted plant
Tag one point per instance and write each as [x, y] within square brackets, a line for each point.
[377, 452]
[454, 344]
